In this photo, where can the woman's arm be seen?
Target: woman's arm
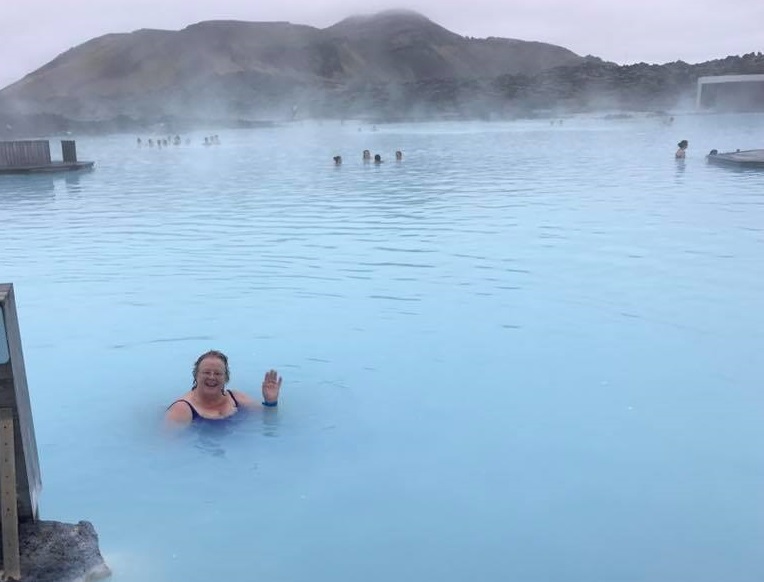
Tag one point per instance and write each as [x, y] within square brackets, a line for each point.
[271, 388]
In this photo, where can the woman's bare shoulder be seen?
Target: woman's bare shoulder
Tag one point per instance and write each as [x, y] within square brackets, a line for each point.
[179, 412]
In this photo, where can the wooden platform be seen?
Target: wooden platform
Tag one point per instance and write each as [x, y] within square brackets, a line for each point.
[47, 168]
[741, 159]
[33, 157]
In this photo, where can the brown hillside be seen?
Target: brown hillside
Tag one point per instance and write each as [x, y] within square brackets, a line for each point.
[259, 69]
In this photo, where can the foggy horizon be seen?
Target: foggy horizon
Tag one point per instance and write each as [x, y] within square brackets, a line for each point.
[38, 31]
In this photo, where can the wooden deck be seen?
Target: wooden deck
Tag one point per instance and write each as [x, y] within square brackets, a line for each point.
[47, 168]
[740, 158]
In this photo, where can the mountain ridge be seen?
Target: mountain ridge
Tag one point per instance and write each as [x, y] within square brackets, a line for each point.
[392, 65]
[220, 64]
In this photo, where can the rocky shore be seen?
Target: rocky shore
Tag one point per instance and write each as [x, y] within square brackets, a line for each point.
[590, 86]
[53, 551]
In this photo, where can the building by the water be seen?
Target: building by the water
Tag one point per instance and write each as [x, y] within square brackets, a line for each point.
[731, 93]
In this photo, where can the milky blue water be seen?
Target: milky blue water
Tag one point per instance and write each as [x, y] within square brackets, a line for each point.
[527, 352]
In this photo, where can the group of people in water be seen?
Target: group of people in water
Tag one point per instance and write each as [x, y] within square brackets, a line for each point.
[367, 158]
[176, 141]
[162, 142]
[209, 399]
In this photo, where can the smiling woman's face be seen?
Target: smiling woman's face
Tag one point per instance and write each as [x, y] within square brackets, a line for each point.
[212, 375]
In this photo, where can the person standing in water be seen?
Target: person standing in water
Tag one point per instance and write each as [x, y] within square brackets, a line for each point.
[210, 400]
[682, 147]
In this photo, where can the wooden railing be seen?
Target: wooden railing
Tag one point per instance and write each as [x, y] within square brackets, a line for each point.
[14, 154]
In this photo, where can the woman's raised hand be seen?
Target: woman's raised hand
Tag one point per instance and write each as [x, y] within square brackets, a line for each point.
[271, 386]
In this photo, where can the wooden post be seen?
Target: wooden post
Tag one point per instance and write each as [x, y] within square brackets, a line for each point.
[8, 503]
[69, 151]
[15, 395]
[19, 467]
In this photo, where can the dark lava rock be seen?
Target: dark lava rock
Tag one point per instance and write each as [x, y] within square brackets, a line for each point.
[52, 551]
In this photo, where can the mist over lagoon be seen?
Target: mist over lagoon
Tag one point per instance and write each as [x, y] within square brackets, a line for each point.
[390, 66]
[490, 326]
[527, 351]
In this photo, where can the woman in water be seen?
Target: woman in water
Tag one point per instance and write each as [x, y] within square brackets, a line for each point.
[210, 400]
[680, 152]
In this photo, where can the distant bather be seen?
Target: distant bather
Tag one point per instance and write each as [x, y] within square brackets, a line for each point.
[682, 145]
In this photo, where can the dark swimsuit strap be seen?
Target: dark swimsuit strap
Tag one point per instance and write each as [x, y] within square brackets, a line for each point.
[195, 414]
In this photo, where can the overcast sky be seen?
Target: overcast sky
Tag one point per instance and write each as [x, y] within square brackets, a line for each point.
[33, 32]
